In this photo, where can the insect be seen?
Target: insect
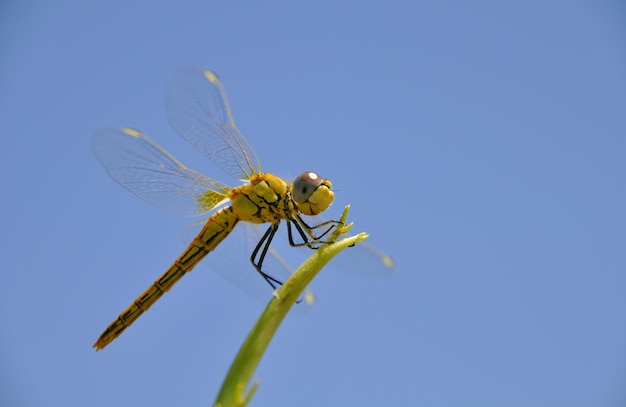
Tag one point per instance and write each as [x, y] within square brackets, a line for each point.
[198, 109]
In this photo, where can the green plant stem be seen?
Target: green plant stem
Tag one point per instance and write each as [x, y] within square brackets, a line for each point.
[234, 389]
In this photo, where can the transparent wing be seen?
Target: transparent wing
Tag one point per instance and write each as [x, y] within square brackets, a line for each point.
[144, 168]
[198, 110]
[231, 260]
[362, 259]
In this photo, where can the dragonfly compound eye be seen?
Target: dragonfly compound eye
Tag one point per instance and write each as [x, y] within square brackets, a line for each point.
[311, 193]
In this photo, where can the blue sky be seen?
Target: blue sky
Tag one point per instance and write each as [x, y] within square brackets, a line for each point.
[480, 143]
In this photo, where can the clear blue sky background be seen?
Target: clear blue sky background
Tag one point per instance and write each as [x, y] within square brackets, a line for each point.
[480, 143]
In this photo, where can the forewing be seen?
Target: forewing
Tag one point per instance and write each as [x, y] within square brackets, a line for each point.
[198, 110]
[144, 168]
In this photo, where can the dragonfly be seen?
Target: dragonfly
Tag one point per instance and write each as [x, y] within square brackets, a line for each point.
[199, 111]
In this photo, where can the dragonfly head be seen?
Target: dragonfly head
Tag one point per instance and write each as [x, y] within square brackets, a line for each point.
[311, 193]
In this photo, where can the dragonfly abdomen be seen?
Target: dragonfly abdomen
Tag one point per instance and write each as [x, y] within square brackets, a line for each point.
[214, 231]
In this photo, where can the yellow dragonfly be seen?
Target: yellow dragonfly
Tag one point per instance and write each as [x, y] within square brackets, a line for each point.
[199, 111]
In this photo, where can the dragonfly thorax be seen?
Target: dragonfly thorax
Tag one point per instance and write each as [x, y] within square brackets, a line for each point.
[264, 199]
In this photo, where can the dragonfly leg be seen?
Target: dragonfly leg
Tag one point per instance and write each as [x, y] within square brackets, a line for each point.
[306, 232]
[262, 247]
[310, 229]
